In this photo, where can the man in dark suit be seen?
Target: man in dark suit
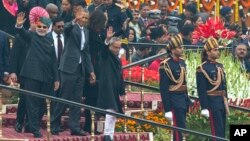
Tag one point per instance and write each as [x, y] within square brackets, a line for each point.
[39, 71]
[143, 20]
[74, 62]
[58, 38]
[111, 84]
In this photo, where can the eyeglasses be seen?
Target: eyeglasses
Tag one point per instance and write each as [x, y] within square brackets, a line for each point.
[44, 27]
[60, 26]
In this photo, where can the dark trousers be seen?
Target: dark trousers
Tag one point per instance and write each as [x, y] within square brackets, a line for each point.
[71, 89]
[35, 106]
[217, 118]
[92, 102]
[179, 119]
[21, 114]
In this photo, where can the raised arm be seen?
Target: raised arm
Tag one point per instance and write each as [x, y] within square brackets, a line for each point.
[19, 26]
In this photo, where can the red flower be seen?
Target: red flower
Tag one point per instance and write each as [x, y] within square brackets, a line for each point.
[224, 34]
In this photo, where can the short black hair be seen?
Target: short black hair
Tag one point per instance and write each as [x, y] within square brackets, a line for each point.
[79, 3]
[146, 41]
[195, 17]
[156, 33]
[186, 29]
[191, 7]
[56, 20]
[143, 5]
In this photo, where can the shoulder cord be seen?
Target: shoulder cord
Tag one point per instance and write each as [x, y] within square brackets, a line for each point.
[217, 82]
[179, 81]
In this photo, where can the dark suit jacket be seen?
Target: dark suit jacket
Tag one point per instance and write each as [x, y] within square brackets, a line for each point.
[4, 55]
[40, 62]
[141, 24]
[111, 84]
[72, 50]
[18, 55]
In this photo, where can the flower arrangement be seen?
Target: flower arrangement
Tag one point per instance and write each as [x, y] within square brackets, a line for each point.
[150, 76]
[213, 28]
[132, 126]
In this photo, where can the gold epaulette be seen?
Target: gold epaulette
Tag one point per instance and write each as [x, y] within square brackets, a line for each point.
[182, 58]
[162, 64]
[198, 69]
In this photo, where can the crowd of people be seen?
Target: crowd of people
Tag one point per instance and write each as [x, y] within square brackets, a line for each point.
[71, 50]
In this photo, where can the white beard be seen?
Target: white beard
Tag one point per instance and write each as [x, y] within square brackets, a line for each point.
[39, 33]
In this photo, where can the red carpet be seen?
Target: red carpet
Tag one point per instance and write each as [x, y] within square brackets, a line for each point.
[65, 136]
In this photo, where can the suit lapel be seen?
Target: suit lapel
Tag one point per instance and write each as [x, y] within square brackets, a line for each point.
[77, 35]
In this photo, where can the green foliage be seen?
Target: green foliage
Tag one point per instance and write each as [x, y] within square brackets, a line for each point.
[199, 123]
[162, 135]
[238, 85]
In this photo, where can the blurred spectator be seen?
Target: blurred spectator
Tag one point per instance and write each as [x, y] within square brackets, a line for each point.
[67, 10]
[156, 63]
[173, 21]
[239, 38]
[8, 10]
[226, 15]
[186, 32]
[243, 20]
[163, 7]
[172, 30]
[154, 16]
[23, 6]
[41, 3]
[142, 51]
[240, 55]
[190, 10]
[143, 20]
[53, 11]
[132, 35]
[95, 4]
[157, 35]
[204, 16]
[196, 20]
[135, 24]
[57, 3]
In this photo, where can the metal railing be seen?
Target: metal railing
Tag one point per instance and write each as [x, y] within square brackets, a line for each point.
[94, 109]
[199, 47]
[192, 97]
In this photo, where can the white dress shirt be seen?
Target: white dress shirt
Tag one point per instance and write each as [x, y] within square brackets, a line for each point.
[82, 41]
[54, 35]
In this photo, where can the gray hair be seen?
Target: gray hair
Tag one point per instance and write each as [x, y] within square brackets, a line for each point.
[114, 39]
